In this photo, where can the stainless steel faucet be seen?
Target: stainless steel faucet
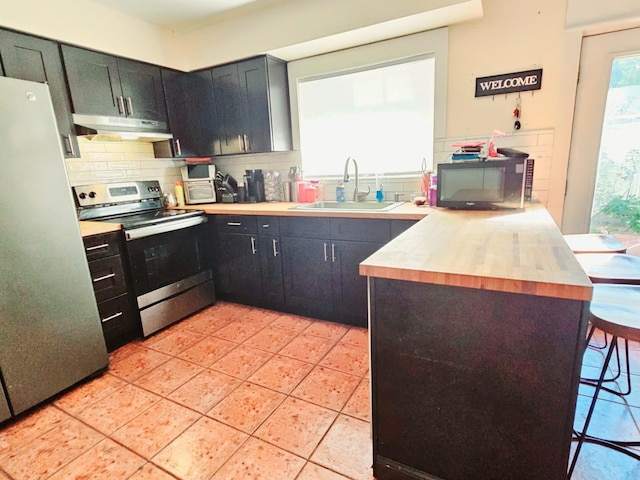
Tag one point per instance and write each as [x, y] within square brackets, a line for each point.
[358, 196]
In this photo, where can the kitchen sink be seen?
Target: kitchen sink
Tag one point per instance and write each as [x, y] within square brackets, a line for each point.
[348, 206]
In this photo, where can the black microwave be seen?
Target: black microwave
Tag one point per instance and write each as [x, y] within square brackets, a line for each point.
[485, 185]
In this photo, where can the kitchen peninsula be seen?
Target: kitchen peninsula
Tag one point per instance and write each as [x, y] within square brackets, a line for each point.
[477, 324]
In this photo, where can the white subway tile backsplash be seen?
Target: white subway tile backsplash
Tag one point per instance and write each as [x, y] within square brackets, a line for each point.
[117, 161]
[109, 174]
[129, 147]
[74, 166]
[102, 156]
[123, 165]
[545, 139]
[89, 146]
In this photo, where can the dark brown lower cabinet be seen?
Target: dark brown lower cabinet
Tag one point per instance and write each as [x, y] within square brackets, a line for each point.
[111, 285]
[472, 384]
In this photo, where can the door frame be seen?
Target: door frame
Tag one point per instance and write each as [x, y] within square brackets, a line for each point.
[596, 59]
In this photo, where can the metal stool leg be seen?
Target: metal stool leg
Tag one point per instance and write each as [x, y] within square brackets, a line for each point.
[595, 346]
[582, 436]
[593, 381]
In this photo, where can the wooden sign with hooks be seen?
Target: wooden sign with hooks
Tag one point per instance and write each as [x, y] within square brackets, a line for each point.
[509, 83]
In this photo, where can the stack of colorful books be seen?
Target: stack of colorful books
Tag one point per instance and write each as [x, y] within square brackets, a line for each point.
[467, 151]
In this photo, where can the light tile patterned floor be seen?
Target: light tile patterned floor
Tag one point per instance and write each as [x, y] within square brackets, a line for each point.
[232, 392]
[235, 392]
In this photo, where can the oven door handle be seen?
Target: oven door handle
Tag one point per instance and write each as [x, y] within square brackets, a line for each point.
[164, 227]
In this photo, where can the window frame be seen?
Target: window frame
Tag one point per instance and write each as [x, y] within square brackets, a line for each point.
[432, 42]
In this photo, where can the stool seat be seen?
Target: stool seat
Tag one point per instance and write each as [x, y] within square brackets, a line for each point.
[610, 267]
[594, 243]
[615, 309]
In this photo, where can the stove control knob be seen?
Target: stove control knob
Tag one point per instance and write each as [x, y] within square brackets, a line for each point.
[150, 189]
[157, 189]
[92, 194]
[82, 196]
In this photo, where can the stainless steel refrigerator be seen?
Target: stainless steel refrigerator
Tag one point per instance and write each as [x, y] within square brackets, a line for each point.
[50, 332]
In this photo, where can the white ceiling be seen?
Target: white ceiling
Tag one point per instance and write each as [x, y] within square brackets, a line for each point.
[184, 15]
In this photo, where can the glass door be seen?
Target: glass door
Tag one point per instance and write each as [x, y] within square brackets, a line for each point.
[603, 187]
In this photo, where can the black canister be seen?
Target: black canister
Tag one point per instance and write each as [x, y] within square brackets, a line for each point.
[255, 185]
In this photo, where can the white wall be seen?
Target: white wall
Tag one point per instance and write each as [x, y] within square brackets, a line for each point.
[91, 25]
[596, 16]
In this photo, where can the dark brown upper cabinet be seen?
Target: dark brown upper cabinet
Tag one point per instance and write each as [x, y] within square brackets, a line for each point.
[252, 106]
[38, 60]
[191, 110]
[102, 84]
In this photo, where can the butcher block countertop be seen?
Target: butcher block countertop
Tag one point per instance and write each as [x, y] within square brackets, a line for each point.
[507, 251]
[406, 211]
[96, 228]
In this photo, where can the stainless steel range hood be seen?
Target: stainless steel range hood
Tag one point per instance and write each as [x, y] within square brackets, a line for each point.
[103, 128]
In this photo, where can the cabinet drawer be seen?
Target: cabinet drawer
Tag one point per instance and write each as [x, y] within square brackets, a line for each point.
[305, 227]
[268, 225]
[107, 275]
[236, 224]
[360, 230]
[120, 321]
[101, 246]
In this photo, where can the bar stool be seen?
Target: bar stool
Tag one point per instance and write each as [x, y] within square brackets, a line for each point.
[615, 309]
[618, 268]
[594, 243]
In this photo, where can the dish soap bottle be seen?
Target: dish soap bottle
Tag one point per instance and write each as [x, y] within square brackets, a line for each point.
[340, 192]
[379, 192]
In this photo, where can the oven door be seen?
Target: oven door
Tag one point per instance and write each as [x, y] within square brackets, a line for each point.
[165, 258]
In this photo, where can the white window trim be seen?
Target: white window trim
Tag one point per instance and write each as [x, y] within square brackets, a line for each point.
[434, 42]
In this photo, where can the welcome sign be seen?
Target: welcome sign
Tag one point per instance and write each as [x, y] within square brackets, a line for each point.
[509, 83]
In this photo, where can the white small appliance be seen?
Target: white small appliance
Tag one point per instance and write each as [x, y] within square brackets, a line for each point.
[198, 182]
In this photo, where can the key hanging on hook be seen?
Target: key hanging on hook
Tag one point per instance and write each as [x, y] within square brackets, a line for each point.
[516, 113]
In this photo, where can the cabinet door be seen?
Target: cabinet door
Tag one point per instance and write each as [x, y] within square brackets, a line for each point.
[239, 263]
[254, 105]
[191, 112]
[307, 274]
[349, 287]
[93, 81]
[226, 92]
[271, 269]
[142, 90]
[37, 60]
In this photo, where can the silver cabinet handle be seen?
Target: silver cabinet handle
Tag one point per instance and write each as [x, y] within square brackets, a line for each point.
[247, 148]
[115, 315]
[178, 148]
[130, 105]
[265, 225]
[97, 247]
[69, 143]
[121, 109]
[240, 144]
[234, 224]
[104, 277]
[275, 249]
[253, 245]
[325, 252]
[333, 253]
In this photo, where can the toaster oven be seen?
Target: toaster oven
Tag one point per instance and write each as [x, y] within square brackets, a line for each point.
[199, 191]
